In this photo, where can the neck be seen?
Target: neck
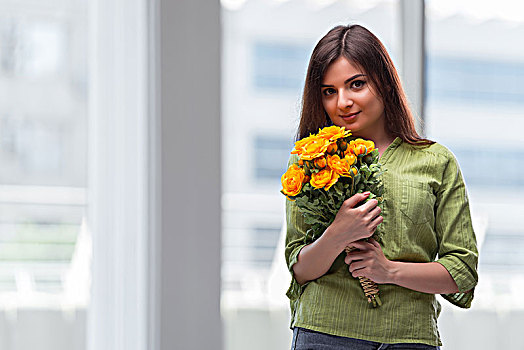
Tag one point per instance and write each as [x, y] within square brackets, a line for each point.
[381, 139]
[383, 144]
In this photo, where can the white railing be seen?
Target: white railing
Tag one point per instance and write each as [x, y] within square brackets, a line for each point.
[72, 289]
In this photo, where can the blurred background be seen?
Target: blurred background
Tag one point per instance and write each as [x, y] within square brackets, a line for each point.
[44, 251]
[471, 99]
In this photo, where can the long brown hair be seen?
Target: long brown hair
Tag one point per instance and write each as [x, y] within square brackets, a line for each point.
[360, 46]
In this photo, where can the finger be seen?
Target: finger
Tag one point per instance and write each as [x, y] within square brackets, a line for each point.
[369, 205]
[375, 243]
[356, 198]
[354, 257]
[363, 273]
[359, 273]
[351, 259]
[360, 245]
[356, 266]
[374, 212]
[375, 222]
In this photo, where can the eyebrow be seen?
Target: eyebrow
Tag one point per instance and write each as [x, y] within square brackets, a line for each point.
[347, 80]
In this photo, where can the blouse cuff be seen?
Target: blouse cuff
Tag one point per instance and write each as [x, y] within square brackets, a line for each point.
[295, 289]
[463, 277]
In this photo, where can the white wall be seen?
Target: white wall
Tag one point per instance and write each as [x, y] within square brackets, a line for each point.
[189, 197]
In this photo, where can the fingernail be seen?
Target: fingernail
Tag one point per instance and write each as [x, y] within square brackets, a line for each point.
[367, 193]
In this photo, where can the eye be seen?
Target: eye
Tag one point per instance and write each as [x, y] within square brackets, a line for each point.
[358, 84]
[328, 91]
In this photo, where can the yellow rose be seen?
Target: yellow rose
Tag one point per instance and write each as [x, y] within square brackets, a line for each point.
[339, 166]
[302, 142]
[333, 133]
[322, 178]
[360, 146]
[292, 180]
[334, 179]
[311, 147]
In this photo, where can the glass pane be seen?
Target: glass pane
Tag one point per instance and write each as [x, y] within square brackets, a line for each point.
[266, 48]
[475, 106]
[44, 251]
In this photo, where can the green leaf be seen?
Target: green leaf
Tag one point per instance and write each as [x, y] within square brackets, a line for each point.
[301, 201]
[311, 219]
[339, 188]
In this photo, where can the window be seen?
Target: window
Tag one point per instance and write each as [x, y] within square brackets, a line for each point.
[43, 143]
[499, 256]
[33, 47]
[494, 167]
[475, 80]
[279, 66]
[272, 154]
[475, 107]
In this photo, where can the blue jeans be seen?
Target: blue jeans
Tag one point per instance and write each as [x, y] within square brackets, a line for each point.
[305, 339]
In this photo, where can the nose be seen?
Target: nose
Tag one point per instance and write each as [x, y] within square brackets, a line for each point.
[345, 100]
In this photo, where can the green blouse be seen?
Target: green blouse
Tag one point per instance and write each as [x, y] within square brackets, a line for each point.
[426, 214]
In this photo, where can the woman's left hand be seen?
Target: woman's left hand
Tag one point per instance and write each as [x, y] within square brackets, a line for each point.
[369, 261]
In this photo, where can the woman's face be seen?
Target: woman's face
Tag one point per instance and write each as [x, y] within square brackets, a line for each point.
[350, 100]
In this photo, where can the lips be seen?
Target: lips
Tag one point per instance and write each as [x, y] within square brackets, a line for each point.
[350, 115]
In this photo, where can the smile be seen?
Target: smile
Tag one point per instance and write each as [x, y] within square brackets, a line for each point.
[350, 116]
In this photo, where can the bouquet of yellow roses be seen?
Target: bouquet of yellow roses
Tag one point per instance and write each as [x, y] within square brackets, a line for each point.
[332, 167]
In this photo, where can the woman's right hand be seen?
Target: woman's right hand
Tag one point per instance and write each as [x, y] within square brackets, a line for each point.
[352, 224]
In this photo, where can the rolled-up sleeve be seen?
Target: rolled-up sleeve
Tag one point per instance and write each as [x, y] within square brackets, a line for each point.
[457, 243]
[294, 243]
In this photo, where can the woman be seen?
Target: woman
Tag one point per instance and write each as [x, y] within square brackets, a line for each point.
[428, 245]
